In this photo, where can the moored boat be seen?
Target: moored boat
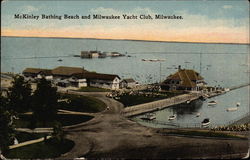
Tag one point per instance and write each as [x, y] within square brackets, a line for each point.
[211, 103]
[205, 122]
[172, 117]
[149, 117]
[232, 109]
[238, 104]
[198, 114]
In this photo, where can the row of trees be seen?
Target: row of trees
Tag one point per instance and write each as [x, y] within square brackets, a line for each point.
[19, 99]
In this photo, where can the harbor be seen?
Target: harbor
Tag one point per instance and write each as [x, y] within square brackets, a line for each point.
[161, 104]
[191, 115]
[146, 72]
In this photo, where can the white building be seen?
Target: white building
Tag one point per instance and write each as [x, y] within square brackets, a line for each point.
[128, 83]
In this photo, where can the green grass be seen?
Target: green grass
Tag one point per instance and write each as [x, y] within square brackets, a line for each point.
[93, 89]
[82, 104]
[130, 100]
[24, 136]
[49, 149]
[64, 119]
[172, 93]
[204, 134]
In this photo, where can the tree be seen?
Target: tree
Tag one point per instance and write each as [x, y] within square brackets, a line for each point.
[45, 102]
[19, 95]
[58, 132]
[6, 127]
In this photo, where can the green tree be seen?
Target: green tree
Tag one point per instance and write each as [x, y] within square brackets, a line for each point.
[45, 102]
[19, 95]
[6, 127]
[58, 132]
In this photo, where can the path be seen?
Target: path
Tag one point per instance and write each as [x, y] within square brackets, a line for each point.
[157, 105]
[28, 142]
[110, 135]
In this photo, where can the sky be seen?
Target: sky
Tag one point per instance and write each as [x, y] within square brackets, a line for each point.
[223, 21]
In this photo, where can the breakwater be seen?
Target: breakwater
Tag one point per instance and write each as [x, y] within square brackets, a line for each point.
[158, 105]
[164, 103]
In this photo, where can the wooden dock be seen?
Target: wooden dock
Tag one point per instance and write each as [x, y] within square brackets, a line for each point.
[158, 105]
[239, 86]
[164, 103]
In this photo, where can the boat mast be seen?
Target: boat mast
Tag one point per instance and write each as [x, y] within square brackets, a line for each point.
[200, 63]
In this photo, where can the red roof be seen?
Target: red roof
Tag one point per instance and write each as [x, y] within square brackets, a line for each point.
[94, 75]
[187, 77]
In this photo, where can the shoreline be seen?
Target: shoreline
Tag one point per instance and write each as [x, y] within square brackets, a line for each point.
[160, 41]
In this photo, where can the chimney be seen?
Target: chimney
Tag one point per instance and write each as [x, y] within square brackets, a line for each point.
[179, 67]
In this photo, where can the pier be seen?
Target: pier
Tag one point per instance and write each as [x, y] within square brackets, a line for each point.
[158, 105]
[239, 86]
[164, 103]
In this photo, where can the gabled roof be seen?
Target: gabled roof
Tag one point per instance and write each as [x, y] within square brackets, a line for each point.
[187, 77]
[94, 75]
[67, 71]
[37, 71]
[129, 80]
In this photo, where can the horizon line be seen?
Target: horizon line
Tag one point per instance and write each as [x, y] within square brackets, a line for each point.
[129, 40]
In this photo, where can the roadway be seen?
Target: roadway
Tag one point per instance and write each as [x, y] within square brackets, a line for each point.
[110, 135]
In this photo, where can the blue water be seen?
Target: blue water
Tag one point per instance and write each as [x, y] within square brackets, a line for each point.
[221, 64]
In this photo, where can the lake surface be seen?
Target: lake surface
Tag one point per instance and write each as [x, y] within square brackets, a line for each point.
[223, 65]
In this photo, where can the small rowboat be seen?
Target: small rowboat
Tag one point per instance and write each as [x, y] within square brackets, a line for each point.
[149, 117]
[205, 122]
[172, 117]
[211, 103]
[232, 109]
[198, 114]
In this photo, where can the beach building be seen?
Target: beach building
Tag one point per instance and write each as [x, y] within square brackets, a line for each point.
[38, 73]
[108, 81]
[128, 83]
[184, 79]
[75, 77]
[66, 72]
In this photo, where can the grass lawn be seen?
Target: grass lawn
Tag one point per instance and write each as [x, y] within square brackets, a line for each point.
[130, 100]
[93, 89]
[49, 149]
[24, 121]
[24, 136]
[172, 93]
[82, 104]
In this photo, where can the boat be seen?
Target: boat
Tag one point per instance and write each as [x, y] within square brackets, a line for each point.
[226, 89]
[205, 122]
[188, 101]
[232, 109]
[198, 114]
[153, 60]
[211, 103]
[149, 117]
[172, 117]
[238, 104]
[59, 60]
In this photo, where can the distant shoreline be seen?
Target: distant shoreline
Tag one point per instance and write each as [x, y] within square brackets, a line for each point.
[129, 40]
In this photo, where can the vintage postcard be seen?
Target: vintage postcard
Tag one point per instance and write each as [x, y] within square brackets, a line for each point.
[128, 79]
